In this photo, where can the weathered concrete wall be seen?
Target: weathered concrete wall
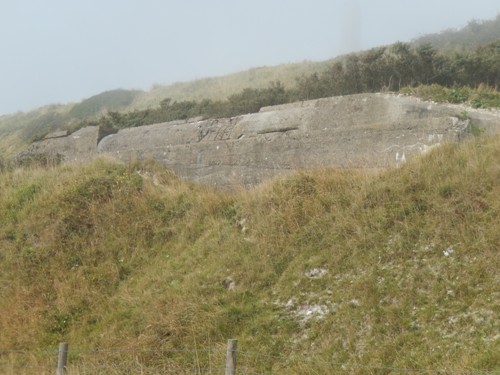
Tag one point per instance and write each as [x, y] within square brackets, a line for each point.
[81, 146]
[358, 131]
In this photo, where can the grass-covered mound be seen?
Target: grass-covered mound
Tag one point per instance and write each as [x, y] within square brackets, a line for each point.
[318, 273]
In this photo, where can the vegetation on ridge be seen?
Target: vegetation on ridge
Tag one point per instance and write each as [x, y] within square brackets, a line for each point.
[475, 33]
[316, 273]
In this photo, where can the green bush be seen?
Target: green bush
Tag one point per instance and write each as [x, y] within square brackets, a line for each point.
[458, 95]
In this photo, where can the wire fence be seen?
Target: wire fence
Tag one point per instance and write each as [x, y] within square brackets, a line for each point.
[205, 361]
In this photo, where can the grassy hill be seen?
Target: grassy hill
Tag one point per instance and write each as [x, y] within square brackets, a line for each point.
[115, 100]
[322, 272]
[220, 88]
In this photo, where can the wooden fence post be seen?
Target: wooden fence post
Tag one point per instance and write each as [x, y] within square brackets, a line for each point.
[62, 358]
[232, 346]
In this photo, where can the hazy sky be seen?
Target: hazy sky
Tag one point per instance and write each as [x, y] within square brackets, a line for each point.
[60, 51]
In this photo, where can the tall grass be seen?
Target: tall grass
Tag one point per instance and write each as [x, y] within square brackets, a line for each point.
[321, 272]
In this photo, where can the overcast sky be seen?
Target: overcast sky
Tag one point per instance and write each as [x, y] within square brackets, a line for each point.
[60, 51]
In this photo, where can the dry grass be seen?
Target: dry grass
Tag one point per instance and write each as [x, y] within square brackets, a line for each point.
[129, 257]
[220, 88]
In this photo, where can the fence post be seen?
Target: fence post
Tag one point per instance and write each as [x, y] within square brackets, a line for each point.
[62, 358]
[232, 346]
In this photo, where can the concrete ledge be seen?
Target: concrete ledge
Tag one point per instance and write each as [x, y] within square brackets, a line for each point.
[359, 131]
